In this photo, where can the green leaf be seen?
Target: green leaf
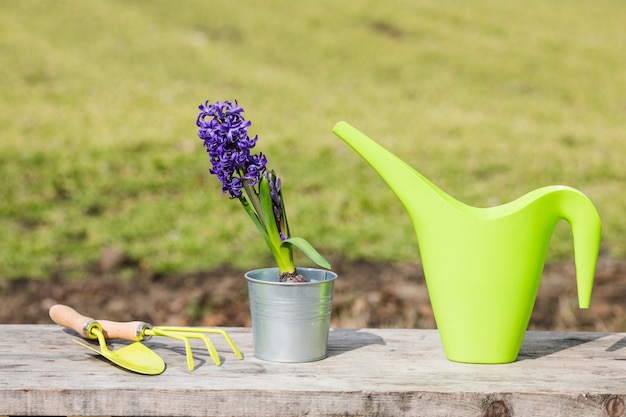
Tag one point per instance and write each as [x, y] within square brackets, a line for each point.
[308, 250]
[276, 250]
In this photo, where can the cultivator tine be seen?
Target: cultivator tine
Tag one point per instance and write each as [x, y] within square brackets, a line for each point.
[190, 363]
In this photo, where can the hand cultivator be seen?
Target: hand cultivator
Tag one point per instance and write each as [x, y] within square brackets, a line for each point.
[137, 331]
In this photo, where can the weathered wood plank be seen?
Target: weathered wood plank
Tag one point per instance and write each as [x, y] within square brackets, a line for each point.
[384, 372]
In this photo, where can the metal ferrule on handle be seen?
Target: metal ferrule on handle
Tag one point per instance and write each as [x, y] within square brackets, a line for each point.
[89, 327]
[141, 331]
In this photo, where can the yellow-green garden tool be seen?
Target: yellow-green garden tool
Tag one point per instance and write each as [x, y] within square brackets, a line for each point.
[139, 330]
[135, 357]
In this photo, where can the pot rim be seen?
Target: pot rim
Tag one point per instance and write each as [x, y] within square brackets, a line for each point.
[331, 276]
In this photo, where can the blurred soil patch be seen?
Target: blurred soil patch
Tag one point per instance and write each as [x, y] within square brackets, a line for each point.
[367, 294]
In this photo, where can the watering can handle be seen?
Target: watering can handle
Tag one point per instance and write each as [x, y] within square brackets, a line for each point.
[68, 317]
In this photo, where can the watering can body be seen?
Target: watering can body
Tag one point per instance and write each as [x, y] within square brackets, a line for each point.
[483, 265]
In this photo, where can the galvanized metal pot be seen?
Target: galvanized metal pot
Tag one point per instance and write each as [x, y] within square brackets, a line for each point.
[290, 321]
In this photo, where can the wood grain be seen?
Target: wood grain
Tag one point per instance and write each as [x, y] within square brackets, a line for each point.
[369, 372]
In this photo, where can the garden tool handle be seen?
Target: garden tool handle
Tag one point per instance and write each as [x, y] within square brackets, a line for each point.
[68, 317]
[129, 330]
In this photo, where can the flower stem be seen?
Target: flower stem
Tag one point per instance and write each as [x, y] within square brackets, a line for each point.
[253, 196]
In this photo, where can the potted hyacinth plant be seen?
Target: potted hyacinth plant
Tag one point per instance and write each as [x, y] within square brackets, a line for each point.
[290, 307]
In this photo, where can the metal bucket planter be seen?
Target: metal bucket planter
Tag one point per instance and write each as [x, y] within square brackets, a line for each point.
[290, 321]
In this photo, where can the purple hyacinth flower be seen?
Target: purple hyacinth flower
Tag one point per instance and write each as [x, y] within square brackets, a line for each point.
[224, 132]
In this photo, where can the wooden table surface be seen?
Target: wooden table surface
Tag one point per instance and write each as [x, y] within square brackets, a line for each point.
[369, 372]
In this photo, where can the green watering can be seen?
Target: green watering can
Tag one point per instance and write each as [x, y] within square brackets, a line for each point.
[483, 265]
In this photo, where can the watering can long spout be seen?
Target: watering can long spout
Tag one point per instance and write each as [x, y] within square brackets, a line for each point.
[411, 187]
[483, 265]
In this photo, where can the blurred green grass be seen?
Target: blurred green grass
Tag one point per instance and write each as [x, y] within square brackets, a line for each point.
[488, 99]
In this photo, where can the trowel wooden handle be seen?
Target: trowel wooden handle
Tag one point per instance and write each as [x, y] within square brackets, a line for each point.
[68, 317]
